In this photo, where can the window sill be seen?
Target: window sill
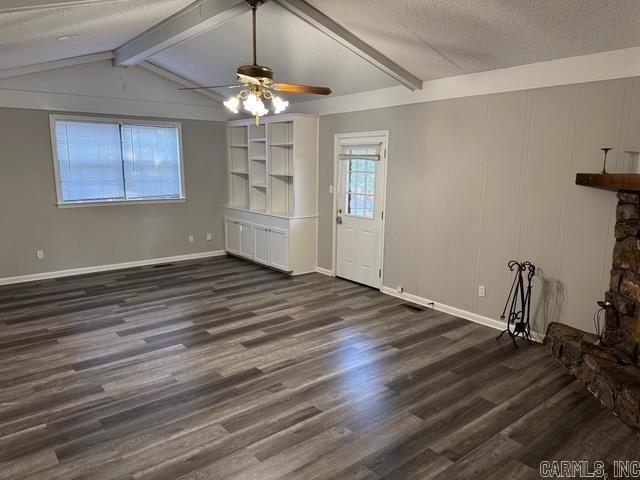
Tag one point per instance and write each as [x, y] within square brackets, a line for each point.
[121, 202]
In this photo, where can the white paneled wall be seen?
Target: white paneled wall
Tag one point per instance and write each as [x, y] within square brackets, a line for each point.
[474, 182]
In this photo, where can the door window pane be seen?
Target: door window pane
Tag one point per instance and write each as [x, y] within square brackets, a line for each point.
[361, 186]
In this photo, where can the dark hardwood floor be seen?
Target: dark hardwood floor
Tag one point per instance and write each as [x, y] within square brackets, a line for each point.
[220, 369]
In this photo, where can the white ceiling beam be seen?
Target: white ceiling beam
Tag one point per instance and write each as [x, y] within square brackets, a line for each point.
[180, 80]
[341, 35]
[67, 62]
[188, 23]
[8, 6]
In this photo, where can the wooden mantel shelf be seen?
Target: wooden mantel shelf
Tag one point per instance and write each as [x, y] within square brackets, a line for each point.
[610, 181]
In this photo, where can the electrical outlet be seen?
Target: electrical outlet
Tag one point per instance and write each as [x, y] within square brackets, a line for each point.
[400, 289]
[209, 237]
[191, 239]
[40, 254]
[481, 291]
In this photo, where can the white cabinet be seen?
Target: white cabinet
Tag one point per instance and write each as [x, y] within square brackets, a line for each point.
[246, 239]
[288, 244]
[238, 237]
[232, 235]
[261, 244]
[271, 246]
[279, 248]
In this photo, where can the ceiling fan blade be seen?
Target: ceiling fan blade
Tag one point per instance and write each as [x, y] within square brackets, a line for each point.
[248, 79]
[301, 89]
[213, 86]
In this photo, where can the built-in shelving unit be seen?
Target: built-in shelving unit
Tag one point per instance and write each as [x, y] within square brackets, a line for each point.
[272, 166]
[272, 171]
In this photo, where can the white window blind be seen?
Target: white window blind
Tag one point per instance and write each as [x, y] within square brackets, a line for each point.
[89, 161]
[151, 161]
[364, 151]
[101, 161]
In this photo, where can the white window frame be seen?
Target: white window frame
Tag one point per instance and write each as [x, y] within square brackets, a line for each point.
[122, 121]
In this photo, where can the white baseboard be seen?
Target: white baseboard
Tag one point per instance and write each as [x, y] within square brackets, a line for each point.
[104, 268]
[458, 312]
[325, 271]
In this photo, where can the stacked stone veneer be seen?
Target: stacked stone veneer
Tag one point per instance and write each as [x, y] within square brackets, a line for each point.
[611, 369]
[624, 288]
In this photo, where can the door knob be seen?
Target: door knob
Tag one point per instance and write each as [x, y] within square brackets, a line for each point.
[339, 220]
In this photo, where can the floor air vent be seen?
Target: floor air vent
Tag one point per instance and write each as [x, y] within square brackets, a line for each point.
[415, 308]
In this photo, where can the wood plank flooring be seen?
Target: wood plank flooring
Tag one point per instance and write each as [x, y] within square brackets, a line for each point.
[221, 369]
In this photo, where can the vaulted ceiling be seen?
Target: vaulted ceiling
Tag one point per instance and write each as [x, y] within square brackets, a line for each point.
[29, 36]
[429, 38]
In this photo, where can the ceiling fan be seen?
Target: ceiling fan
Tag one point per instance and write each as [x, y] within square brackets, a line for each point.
[256, 83]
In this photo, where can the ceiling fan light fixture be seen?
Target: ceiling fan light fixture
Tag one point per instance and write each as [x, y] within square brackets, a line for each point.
[251, 103]
[256, 82]
[279, 105]
[232, 104]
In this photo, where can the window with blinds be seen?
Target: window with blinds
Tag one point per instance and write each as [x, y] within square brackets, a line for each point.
[99, 161]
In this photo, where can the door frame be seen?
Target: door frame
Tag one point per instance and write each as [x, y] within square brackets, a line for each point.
[336, 176]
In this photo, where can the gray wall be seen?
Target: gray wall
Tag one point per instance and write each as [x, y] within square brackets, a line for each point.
[474, 182]
[90, 236]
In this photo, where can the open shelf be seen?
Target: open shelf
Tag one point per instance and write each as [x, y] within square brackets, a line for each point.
[267, 173]
[610, 181]
[281, 193]
[257, 132]
[257, 198]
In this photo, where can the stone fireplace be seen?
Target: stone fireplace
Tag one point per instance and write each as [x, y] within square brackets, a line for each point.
[611, 368]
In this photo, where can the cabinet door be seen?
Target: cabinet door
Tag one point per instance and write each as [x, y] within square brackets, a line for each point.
[231, 235]
[246, 239]
[279, 243]
[261, 244]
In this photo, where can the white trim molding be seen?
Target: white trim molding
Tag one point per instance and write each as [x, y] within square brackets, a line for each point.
[105, 268]
[325, 271]
[66, 62]
[457, 312]
[609, 65]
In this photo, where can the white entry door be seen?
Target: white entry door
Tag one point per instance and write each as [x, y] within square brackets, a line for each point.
[361, 163]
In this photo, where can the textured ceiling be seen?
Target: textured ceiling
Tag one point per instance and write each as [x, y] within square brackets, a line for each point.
[296, 51]
[30, 37]
[430, 38]
[439, 38]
